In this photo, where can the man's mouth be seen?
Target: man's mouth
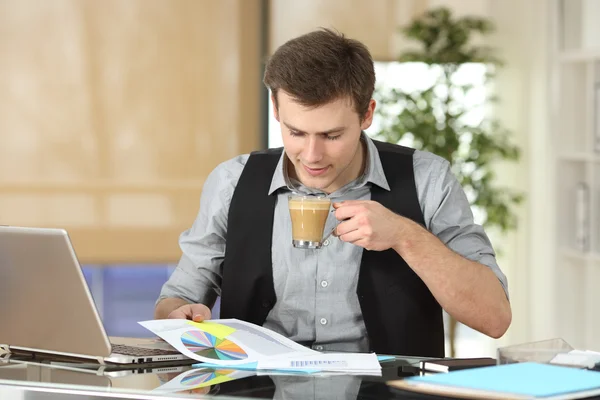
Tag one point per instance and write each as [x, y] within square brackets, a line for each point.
[315, 171]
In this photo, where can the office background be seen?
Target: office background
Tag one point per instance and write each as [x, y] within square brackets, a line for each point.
[112, 113]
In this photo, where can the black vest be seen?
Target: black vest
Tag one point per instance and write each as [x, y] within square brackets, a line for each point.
[400, 313]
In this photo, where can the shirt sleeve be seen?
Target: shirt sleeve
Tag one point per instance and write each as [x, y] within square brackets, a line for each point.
[197, 278]
[447, 213]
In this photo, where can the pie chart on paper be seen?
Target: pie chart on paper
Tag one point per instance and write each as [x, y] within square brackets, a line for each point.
[207, 345]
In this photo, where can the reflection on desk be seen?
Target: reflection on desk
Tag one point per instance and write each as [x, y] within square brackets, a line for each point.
[239, 384]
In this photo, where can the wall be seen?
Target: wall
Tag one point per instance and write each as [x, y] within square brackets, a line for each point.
[374, 22]
[112, 113]
[524, 38]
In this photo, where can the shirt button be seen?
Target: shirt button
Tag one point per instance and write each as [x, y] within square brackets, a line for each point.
[323, 321]
[326, 242]
[324, 284]
[318, 348]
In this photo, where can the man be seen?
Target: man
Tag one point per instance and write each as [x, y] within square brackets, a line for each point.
[407, 245]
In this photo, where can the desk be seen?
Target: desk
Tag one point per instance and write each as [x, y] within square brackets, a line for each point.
[24, 379]
[27, 380]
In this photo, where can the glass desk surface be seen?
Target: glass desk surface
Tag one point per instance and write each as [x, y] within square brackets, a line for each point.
[24, 378]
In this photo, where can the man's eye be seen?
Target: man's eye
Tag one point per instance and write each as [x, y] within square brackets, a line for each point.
[294, 133]
[336, 137]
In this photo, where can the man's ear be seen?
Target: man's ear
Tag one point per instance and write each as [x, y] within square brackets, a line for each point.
[275, 109]
[368, 118]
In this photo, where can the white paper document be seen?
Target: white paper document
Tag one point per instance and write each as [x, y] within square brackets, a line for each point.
[577, 358]
[224, 341]
[235, 343]
[331, 362]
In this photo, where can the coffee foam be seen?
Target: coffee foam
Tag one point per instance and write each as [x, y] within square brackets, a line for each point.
[309, 205]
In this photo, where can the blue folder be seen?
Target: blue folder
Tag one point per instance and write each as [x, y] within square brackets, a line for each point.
[522, 379]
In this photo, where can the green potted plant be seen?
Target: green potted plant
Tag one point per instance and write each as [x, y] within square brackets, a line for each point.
[435, 118]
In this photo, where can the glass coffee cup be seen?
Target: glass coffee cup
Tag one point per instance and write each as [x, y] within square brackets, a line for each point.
[309, 215]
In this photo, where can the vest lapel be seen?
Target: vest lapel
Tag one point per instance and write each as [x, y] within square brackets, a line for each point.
[247, 290]
[400, 313]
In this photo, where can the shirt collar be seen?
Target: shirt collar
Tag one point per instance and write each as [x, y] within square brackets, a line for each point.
[279, 176]
[373, 170]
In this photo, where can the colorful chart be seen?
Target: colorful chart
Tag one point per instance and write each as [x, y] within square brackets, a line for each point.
[206, 345]
[206, 378]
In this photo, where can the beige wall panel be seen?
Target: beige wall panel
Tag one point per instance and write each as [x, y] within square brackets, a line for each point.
[117, 89]
[465, 7]
[126, 245]
[374, 22]
[44, 111]
[55, 209]
[112, 113]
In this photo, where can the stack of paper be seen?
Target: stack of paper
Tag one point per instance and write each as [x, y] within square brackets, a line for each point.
[577, 358]
[356, 363]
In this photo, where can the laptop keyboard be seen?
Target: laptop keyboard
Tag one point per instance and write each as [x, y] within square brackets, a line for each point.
[140, 351]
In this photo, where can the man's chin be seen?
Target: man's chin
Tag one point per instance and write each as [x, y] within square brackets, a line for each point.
[315, 182]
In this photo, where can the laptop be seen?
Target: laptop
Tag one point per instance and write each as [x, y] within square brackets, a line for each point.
[81, 371]
[46, 307]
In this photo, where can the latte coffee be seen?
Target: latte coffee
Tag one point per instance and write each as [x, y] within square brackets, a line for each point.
[309, 215]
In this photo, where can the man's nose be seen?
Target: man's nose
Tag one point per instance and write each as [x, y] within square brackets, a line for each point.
[313, 152]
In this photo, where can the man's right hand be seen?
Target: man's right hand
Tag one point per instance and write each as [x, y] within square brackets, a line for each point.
[194, 312]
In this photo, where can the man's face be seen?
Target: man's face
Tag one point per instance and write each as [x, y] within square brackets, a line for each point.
[323, 143]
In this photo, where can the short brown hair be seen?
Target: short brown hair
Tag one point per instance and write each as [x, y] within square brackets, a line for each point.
[320, 67]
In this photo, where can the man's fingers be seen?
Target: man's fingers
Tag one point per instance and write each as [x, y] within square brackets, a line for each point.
[199, 312]
[347, 212]
[344, 227]
[348, 203]
[194, 312]
[178, 314]
[199, 318]
[350, 237]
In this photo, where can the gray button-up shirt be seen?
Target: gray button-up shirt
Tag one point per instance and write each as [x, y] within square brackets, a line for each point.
[316, 289]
